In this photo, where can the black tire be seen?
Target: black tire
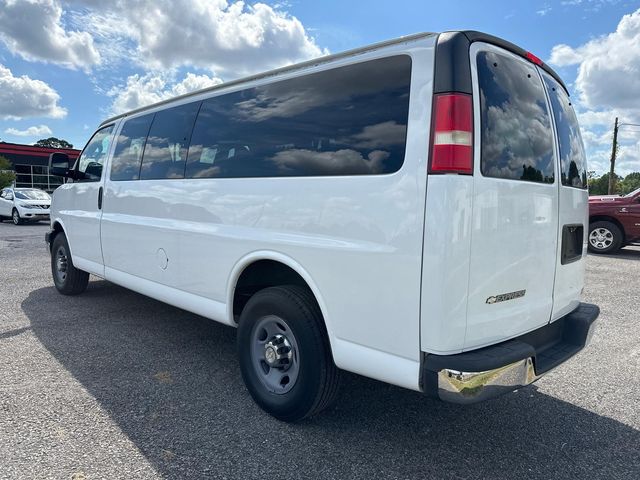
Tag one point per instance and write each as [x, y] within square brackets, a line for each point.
[15, 217]
[604, 237]
[67, 278]
[317, 377]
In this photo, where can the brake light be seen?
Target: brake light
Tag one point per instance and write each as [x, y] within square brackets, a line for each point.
[532, 58]
[452, 136]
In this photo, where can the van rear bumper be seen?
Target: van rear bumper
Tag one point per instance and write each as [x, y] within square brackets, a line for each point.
[478, 375]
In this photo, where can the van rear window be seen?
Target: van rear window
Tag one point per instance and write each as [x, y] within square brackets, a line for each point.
[573, 161]
[517, 139]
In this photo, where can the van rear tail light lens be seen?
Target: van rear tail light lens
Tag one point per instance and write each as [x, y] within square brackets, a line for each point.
[452, 137]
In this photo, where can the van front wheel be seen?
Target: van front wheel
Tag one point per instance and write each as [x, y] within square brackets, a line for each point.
[67, 278]
[604, 237]
[284, 353]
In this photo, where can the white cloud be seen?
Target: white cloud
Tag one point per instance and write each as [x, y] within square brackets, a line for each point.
[607, 87]
[230, 39]
[544, 10]
[35, 131]
[609, 66]
[563, 55]
[22, 97]
[142, 90]
[33, 29]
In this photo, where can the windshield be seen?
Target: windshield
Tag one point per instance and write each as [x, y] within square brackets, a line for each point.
[32, 195]
[632, 194]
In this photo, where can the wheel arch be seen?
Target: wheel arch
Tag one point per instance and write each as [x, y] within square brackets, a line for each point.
[276, 260]
[57, 227]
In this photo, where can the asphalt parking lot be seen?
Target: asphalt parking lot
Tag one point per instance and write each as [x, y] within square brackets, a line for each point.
[111, 384]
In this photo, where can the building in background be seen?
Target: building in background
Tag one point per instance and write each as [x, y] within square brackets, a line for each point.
[31, 164]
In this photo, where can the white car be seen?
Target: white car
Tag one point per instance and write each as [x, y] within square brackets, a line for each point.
[414, 211]
[24, 204]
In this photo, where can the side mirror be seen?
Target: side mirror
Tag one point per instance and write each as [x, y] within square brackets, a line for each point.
[60, 165]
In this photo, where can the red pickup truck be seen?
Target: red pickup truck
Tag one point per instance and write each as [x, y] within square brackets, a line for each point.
[614, 221]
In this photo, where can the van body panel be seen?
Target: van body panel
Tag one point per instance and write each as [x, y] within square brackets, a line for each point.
[81, 218]
[445, 279]
[191, 233]
[569, 280]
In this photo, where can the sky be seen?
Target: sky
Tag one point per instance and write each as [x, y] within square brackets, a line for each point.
[67, 65]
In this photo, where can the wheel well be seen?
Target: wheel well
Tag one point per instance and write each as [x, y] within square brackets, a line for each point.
[604, 218]
[56, 229]
[259, 275]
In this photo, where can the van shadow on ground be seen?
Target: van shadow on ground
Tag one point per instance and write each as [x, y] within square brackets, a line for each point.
[171, 382]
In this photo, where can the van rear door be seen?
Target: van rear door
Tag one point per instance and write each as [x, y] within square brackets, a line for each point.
[514, 228]
[573, 201]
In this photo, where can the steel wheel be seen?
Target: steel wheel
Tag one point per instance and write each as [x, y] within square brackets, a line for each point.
[274, 354]
[601, 238]
[62, 264]
[284, 353]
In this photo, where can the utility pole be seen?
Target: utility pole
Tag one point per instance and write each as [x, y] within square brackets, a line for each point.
[614, 149]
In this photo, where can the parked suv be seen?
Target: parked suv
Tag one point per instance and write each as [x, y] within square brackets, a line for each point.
[614, 221]
[414, 211]
[24, 204]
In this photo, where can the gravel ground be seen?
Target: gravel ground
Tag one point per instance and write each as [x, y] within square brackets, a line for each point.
[111, 384]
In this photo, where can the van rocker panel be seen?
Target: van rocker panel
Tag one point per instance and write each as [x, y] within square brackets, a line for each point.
[481, 374]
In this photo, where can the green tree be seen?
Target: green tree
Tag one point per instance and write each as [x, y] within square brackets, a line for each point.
[53, 142]
[630, 183]
[600, 185]
[7, 175]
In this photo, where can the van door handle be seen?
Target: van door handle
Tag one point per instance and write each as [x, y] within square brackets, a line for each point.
[100, 198]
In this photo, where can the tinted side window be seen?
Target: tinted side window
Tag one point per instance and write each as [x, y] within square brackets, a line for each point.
[94, 155]
[350, 120]
[517, 139]
[573, 161]
[166, 150]
[128, 154]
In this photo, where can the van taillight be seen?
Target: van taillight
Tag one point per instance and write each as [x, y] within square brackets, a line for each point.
[452, 136]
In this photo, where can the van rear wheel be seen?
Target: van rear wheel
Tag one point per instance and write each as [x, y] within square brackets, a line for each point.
[284, 353]
[604, 237]
[66, 277]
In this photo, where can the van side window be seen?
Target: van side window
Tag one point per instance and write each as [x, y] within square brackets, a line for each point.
[517, 138]
[166, 150]
[573, 161]
[350, 120]
[94, 155]
[125, 164]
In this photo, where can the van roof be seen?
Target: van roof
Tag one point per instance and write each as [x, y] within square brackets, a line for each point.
[470, 36]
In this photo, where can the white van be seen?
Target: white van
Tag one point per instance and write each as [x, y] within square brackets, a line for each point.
[413, 211]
